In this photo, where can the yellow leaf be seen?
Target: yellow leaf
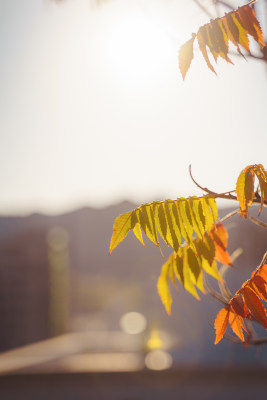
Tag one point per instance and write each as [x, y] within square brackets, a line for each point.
[261, 175]
[138, 233]
[188, 276]
[185, 219]
[213, 206]
[245, 190]
[161, 220]
[146, 221]
[173, 233]
[121, 227]
[163, 288]
[211, 269]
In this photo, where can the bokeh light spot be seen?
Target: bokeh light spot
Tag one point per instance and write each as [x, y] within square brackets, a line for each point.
[133, 322]
[158, 360]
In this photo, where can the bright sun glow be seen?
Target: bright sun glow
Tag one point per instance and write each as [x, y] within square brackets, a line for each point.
[133, 44]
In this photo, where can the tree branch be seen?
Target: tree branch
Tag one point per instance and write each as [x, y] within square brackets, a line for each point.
[225, 195]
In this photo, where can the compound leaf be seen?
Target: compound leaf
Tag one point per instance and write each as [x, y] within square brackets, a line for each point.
[235, 26]
[246, 304]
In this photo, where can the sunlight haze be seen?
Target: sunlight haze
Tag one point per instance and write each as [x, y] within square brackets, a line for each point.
[94, 109]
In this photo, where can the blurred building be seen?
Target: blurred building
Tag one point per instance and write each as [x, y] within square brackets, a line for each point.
[24, 289]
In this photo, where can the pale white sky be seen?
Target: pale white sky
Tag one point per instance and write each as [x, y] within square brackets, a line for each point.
[94, 110]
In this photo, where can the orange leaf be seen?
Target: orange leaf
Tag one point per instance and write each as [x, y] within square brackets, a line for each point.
[237, 325]
[263, 272]
[220, 237]
[258, 284]
[221, 323]
[186, 55]
[202, 42]
[254, 304]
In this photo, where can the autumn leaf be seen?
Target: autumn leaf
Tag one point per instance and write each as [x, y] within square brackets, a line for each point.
[174, 220]
[186, 55]
[220, 324]
[121, 227]
[237, 325]
[245, 304]
[254, 304]
[236, 26]
[219, 236]
[245, 187]
[202, 42]
[163, 288]
[251, 24]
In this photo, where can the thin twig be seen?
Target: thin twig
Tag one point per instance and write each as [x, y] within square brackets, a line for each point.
[264, 258]
[257, 221]
[231, 214]
[223, 3]
[203, 9]
[225, 195]
[249, 341]
[222, 285]
[213, 292]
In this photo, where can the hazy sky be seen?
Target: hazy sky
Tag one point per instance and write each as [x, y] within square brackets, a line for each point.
[94, 109]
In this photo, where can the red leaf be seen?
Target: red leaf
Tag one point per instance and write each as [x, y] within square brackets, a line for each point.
[238, 306]
[254, 304]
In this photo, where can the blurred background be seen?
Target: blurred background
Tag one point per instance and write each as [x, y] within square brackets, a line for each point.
[95, 120]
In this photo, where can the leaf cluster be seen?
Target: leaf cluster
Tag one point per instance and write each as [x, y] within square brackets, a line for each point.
[234, 27]
[192, 220]
[245, 304]
[190, 227]
[192, 259]
[174, 220]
